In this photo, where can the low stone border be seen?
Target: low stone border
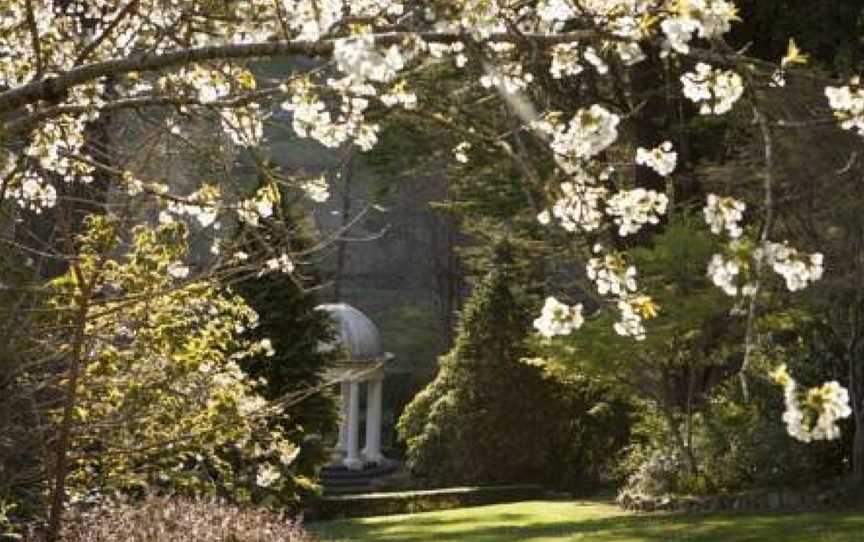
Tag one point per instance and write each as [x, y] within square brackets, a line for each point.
[773, 499]
[409, 502]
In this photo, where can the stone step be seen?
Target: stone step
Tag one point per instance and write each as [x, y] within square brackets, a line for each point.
[341, 473]
[346, 491]
[345, 482]
[338, 480]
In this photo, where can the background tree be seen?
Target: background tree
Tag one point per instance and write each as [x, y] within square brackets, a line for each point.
[293, 376]
[489, 417]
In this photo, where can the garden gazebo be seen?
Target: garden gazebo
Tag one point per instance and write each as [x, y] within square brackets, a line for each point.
[362, 364]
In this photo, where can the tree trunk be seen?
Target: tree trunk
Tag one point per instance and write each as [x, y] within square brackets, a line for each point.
[858, 445]
[61, 467]
[856, 399]
[346, 171]
[681, 441]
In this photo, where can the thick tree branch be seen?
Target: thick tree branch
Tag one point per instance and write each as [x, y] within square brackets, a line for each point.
[759, 260]
[51, 88]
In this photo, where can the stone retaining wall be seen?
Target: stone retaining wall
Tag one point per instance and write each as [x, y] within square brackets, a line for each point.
[768, 499]
[409, 502]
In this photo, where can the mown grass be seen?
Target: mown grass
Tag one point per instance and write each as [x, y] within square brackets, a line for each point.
[595, 521]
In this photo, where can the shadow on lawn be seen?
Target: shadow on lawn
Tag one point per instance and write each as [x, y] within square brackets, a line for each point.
[513, 527]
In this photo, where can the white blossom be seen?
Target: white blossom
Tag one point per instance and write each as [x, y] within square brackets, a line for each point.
[259, 206]
[399, 95]
[796, 268]
[630, 53]
[200, 205]
[594, 59]
[281, 263]
[724, 274]
[481, 18]
[827, 403]
[632, 209]
[706, 18]
[580, 205]
[715, 90]
[33, 193]
[565, 60]
[509, 77]
[357, 56]
[724, 212]
[244, 125]
[632, 309]
[612, 275]
[267, 475]
[555, 12]
[848, 105]
[589, 132]
[661, 159]
[558, 318]
[316, 189]
[266, 346]
[460, 152]
[679, 32]
[178, 270]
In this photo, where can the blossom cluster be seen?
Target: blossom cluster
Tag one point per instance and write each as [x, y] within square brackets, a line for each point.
[460, 152]
[796, 268]
[558, 318]
[707, 19]
[565, 60]
[311, 117]
[358, 57]
[579, 206]
[715, 90]
[587, 134]
[848, 105]
[244, 125]
[316, 189]
[259, 206]
[612, 274]
[567, 57]
[827, 404]
[634, 310]
[661, 159]
[509, 77]
[202, 205]
[632, 209]
[724, 213]
[724, 273]
[281, 263]
[33, 192]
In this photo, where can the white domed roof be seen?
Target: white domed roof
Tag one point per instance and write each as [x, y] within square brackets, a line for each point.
[355, 332]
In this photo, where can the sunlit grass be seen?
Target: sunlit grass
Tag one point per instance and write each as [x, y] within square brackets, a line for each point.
[595, 521]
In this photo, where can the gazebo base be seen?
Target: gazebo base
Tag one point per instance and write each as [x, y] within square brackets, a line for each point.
[338, 460]
[339, 479]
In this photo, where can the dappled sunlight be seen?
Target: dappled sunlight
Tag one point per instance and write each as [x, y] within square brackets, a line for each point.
[558, 521]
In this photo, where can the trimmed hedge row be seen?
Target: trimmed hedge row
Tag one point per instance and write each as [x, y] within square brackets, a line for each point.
[409, 502]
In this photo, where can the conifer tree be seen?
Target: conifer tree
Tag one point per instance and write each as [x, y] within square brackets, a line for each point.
[295, 373]
[488, 417]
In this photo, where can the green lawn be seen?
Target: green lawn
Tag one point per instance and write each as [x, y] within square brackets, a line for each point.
[594, 521]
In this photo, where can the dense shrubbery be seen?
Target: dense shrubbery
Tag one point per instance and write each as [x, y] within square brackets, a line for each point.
[163, 519]
[488, 417]
[738, 445]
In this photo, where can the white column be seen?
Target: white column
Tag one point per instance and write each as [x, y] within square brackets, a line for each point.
[345, 392]
[352, 458]
[372, 451]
